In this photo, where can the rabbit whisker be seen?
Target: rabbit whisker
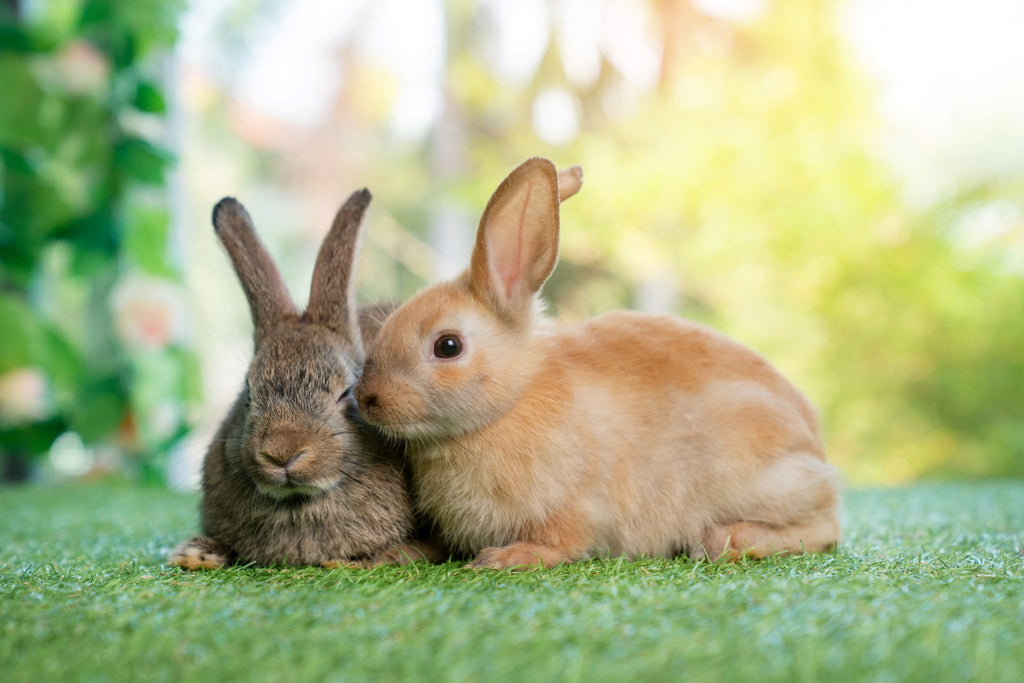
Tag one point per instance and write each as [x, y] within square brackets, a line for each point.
[323, 422]
[354, 478]
[238, 474]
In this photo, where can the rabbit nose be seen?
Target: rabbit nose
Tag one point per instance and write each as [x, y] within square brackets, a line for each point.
[366, 399]
[284, 461]
[369, 402]
[282, 447]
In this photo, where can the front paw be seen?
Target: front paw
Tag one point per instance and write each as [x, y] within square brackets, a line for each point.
[348, 564]
[201, 552]
[414, 551]
[518, 556]
[401, 555]
[405, 553]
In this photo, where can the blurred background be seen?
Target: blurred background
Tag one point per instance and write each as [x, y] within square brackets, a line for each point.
[836, 183]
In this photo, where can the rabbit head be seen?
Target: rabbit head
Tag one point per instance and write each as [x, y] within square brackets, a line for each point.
[298, 424]
[453, 358]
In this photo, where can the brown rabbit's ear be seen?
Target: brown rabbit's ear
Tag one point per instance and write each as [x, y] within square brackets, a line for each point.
[268, 297]
[517, 241]
[570, 180]
[332, 300]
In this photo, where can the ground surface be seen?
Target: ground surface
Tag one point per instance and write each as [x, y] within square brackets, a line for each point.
[928, 585]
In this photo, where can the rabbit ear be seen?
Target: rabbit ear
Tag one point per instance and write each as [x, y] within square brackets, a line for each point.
[332, 300]
[517, 241]
[268, 297]
[570, 180]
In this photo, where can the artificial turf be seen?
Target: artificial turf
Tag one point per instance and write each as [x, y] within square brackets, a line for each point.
[927, 585]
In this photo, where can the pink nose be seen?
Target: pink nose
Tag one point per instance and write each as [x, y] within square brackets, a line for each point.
[285, 461]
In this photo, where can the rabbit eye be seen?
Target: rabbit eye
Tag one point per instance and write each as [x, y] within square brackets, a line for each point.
[448, 346]
[345, 395]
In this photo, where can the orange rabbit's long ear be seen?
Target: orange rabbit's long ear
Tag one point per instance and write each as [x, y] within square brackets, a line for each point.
[268, 297]
[570, 180]
[517, 241]
[332, 300]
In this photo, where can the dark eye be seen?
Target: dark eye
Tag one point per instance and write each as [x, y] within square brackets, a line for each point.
[448, 346]
[345, 395]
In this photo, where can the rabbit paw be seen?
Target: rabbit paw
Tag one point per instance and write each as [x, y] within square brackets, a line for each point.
[201, 552]
[414, 551]
[518, 556]
[405, 553]
[347, 564]
[757, 540]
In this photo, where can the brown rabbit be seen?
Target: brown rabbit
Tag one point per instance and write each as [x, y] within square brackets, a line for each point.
[533, 443]
[294, 475]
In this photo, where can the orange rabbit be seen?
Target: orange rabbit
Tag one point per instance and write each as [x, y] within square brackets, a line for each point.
[537, 443]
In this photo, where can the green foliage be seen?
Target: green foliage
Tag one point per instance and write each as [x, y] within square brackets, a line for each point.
[84, 242]
[748, 179]
[927, 585]
[745, 178]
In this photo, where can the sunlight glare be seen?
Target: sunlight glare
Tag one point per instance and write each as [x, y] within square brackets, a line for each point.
[555, 119]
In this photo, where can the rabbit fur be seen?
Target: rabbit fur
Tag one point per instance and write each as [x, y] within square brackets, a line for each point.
[533, 443]
[294, 475]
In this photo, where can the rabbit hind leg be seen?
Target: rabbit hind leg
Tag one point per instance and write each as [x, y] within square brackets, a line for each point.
[791, 508]
[757, 540]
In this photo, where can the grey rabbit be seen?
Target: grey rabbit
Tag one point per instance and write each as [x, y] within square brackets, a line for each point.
[294, 476]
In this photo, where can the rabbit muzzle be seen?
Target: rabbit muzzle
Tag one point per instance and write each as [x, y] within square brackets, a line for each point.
[284, 465]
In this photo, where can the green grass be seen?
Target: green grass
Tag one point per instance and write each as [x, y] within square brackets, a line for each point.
[928, 585]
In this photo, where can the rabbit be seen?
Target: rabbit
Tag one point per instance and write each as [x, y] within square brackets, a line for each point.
[294, 476]
[533, 443]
